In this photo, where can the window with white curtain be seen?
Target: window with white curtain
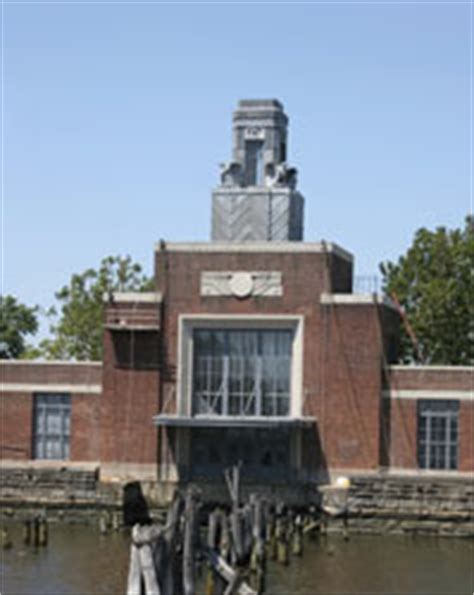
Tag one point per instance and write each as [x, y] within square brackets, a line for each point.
[438, 433]
[52, 426]
[245, 372]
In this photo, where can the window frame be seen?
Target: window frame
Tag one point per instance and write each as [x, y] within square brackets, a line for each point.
[187, 323]
[429, 410]
[228, 380]
[64, 405]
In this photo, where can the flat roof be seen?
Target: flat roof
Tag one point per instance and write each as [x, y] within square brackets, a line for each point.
[357, 299]
[264, 247]
[230, 421]
[141, 297]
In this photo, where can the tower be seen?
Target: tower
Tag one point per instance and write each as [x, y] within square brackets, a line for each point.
[257, 198]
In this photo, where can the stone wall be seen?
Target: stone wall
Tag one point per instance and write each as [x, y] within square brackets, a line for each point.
[413, 504]
[378, 503]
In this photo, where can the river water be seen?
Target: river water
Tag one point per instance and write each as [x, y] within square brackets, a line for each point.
[80, 561]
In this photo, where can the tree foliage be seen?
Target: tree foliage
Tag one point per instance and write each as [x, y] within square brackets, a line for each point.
[16, 322]
[77, 329]
[433, 282]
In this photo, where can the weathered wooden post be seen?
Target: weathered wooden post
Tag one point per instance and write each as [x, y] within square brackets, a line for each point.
[168, 559]
[134, 582]
[103, 523]
[188, 545]
[282, 540]
[7, 543]
[142, 564]
[43, 532]
[257, 560]
[27, 532]
[36, 531]
[297, 536]
[225, 540]
[115, 521]
[212, 579]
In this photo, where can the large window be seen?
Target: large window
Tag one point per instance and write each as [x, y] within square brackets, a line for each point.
[242, 372]
[52, 420]
[438, 434]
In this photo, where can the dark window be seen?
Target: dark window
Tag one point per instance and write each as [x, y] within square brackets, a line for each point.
[242, 372]
[136, 349]
[438, 434]
[264, 453]
[52, 421]
[254, 163]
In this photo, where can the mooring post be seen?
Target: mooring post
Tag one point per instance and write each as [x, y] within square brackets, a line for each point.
[6, 539]
[188, 546]
[115, 521]
[103, 523]
[27, 532]
[36, 531]
[345, 526]
[282, 540]
[134, 572]
[297, 536]
[43, 532]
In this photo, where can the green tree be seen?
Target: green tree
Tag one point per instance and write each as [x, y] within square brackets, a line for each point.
[77, 329]
[16, 322]
[433, 282]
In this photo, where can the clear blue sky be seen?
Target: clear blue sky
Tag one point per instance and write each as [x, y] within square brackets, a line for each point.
[117, 115]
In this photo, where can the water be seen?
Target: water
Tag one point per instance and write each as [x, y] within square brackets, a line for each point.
[80, 561]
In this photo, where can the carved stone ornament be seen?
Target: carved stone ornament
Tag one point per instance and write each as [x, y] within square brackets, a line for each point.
[241, 284]
[254, 133]
[281, 175]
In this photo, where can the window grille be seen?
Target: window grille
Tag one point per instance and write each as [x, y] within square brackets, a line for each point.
[438, 434]
[242, 372]
[52, 426]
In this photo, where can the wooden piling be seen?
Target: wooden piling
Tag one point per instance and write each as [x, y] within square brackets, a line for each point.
[297, 536]
[282, 542]
[6, 540]
[103, 523]
[115, 521]
[27, 532]
[188, 545]
[43, 532]
[36, 531]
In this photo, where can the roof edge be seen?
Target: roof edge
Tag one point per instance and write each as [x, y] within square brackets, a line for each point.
[271, 247]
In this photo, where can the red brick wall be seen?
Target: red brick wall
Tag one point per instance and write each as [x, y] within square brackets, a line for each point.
[16, 408]
[403, 431]
[51, 373]
[466, 436]
[437, 378]
[85, 427]
[130, 394]
[349, 403]
[16, 411]
[341, 385]
[403, 415]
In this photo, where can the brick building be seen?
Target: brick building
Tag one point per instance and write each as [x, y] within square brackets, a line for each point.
[253, 348]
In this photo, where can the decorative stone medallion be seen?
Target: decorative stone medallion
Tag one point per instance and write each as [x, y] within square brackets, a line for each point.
[241, 284]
